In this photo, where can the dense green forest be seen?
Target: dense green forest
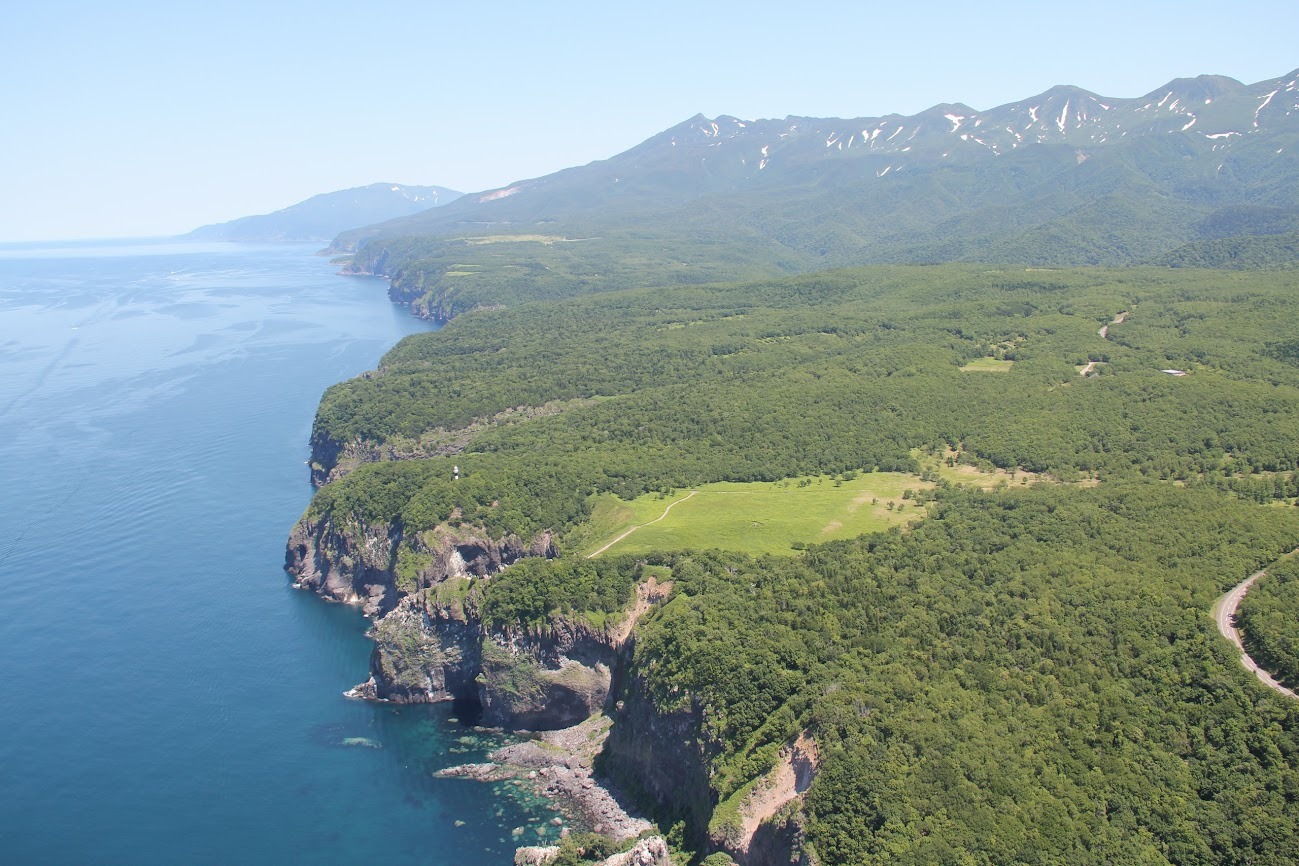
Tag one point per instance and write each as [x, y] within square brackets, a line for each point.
[843, 371]
[1269, 618]
[444, 277]
[1264, 251]
[1028, 675]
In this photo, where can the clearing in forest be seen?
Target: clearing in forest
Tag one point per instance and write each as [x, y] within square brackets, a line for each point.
[755, 518]
[518, 239]
[948, 466]
[987, 365]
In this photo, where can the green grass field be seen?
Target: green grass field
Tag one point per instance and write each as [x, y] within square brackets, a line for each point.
[757, 518]
[987, 365]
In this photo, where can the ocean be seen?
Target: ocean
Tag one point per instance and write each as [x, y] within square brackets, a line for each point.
[168, 698]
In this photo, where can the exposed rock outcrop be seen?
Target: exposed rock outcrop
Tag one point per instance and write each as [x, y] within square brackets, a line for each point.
[660, 754]
[427, 650]
[767, 829]
[358, 564]
[419, 290]
[430, 642]
[350, 564]
[536, 855]
[546, 680]
[650, 851]
[560, 765]
[424, 652]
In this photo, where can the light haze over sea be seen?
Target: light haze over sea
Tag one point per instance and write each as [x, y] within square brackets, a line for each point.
[168, 697]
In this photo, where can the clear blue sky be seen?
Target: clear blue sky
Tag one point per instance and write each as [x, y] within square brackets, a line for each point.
[130, 118]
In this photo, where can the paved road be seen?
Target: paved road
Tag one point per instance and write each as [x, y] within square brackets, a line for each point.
[1225, 613]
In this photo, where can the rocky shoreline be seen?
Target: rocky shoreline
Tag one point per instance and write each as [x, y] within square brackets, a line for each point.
[550, 685]
[559, 765]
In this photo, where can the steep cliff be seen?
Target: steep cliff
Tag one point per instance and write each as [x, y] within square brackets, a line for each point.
[762, 824]
[449, 625]
[374, 566]
[666, 756]
[353, 564]
[431, 641]
[411, 285]
[332, 459]
[431, 647]
[552, 678]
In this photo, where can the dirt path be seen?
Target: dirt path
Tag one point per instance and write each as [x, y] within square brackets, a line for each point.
[1225, 613]
[671, 505]
[1105, 335]
[1117, 320]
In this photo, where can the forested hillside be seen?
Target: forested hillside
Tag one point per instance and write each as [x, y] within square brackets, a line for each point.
[1064, 178]
[1027, 675]
[1268, 617]
[666, 388]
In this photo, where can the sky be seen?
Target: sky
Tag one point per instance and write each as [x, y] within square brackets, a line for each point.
[134, 119]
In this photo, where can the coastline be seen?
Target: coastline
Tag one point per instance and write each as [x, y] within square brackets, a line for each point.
[560, 765]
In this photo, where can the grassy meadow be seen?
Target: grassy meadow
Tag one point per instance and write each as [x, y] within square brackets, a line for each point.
[755, 518]
[987, 365]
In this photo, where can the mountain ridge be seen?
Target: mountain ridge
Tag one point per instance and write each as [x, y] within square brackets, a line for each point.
[1064, 178]
[323, 216]
[1052, 116]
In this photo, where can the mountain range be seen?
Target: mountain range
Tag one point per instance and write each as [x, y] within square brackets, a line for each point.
[323, 216]
[1067, 177]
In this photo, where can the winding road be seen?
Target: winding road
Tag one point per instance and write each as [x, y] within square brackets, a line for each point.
[1105, 335]
[671, 505]
[1225, 613]
[1117, 320]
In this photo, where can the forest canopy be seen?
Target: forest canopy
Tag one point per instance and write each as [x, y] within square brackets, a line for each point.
[1027, 675]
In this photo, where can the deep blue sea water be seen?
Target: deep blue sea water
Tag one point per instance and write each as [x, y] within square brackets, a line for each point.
[166, 696]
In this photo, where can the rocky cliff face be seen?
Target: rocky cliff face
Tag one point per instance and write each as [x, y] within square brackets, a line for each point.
[361, 564]
[423, 590]
[430, 642]
[350, 564]
[407, 286]
[766, 827]
[331, 459]
[428, 649]
[552, 678]
[661, 755]
[665, 755]
[424, 652]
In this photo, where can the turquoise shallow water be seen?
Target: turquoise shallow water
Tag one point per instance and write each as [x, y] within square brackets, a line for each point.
[167, 696]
